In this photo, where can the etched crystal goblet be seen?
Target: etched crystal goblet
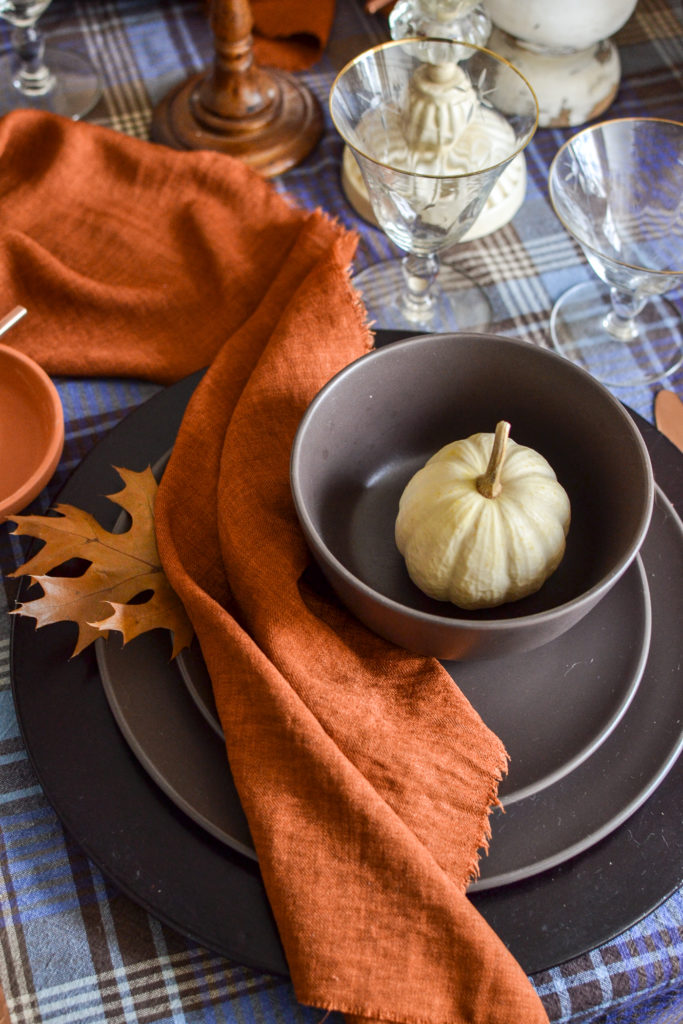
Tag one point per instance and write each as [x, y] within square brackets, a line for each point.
[432, 124]
[39, 76]
[617, 187]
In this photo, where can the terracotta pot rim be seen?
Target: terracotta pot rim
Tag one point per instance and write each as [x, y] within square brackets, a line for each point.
[44, 391]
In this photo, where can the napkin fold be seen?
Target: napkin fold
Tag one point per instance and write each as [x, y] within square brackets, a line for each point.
[124, 252]
[291, 35]
[366, 777]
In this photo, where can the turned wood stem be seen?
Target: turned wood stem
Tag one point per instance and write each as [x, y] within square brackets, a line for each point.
[266, 117]
[235, 88]
[489, 483]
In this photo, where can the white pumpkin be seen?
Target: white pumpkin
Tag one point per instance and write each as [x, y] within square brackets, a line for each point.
[483, 522]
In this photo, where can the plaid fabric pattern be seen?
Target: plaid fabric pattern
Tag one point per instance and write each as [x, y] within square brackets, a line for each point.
[74, 949]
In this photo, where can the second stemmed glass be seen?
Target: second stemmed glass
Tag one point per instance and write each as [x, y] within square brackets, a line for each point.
[617, 187]
[432, 124]
[40, 77]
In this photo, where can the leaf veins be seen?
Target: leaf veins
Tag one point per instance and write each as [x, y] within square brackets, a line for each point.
[122, 567]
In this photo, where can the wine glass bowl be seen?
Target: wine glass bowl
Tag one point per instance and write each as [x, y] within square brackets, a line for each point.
[432, 124]
[617, 188]
[42, 77]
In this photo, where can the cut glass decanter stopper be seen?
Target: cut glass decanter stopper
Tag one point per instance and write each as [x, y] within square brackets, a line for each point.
[441, 19]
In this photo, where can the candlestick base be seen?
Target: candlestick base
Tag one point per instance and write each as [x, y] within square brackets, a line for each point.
[270, 143]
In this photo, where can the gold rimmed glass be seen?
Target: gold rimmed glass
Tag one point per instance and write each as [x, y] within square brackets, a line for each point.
[432, 124]
[617, 188]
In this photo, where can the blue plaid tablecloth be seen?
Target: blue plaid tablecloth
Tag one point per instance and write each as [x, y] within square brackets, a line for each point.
[73, 948]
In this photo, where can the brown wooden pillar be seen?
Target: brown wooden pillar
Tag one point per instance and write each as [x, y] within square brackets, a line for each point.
[260, 115]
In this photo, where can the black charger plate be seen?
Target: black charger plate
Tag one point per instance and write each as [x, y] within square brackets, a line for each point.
[182, 875]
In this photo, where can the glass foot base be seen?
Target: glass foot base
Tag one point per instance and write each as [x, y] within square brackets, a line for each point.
[461, 305]
[75, 90]
[578, 332]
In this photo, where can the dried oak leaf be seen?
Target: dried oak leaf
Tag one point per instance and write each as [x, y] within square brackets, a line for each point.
[123, 566]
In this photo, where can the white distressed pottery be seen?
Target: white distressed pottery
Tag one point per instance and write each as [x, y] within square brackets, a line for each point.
[565, 51]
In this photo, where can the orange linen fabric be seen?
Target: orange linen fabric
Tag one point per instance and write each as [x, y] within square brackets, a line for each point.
[365, 775]
[133, 260]
[291, 34]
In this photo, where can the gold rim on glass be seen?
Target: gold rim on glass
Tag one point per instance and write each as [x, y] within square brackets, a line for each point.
[565, 145]
[448, 42]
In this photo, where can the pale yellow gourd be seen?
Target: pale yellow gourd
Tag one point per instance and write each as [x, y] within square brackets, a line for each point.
[483, 522]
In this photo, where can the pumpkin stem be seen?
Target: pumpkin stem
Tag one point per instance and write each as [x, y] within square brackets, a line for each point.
[489, 483]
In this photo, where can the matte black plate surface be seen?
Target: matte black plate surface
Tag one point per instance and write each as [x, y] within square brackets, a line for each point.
[167, 863]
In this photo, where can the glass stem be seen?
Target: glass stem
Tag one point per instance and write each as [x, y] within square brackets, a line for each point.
[419, 275]
[33, 78]
[620, 321]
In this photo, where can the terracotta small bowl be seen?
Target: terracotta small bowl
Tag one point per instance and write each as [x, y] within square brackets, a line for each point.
[31, 430]
[380, 419]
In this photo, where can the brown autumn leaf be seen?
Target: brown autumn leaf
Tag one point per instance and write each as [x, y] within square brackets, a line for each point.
[123, 567]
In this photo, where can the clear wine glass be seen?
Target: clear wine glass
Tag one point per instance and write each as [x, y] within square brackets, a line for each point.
[617, 187]
[432, 124]
[39, 76]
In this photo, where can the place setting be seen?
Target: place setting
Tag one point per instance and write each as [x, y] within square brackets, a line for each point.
[432, 571]
[550, 730]
[594, 736]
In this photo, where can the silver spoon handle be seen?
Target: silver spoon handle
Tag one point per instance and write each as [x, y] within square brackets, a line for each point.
[11, 318]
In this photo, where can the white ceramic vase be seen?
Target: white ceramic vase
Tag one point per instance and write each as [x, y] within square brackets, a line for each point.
[564, 49]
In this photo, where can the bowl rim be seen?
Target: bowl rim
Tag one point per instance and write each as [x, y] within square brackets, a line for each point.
[453, 622]
[14, 503]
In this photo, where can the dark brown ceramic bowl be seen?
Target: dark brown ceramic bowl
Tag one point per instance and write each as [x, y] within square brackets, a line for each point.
[379, 420]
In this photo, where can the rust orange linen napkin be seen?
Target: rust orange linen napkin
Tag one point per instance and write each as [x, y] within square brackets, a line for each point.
[365, 775]
[289, 34]
[292, 34]
[133, 260]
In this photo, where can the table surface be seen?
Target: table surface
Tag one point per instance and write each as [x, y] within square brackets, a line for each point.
[73, 948]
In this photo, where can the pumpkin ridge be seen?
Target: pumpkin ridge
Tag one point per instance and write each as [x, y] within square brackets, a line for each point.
[480, 547]
[426, 558]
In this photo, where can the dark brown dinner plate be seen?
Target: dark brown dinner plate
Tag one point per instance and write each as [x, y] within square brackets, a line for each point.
[584, 755]
[548, 730]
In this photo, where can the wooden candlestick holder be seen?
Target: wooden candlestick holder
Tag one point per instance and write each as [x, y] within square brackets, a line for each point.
[262, 116]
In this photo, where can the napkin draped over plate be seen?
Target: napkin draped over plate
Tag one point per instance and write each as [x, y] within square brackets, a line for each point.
[366, 777]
